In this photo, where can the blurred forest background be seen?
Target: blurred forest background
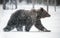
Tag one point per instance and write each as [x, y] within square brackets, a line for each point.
[51, 2]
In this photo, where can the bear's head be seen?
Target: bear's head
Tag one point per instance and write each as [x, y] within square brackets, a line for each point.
[42, 13]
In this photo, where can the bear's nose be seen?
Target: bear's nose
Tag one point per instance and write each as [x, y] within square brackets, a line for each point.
[49, 15]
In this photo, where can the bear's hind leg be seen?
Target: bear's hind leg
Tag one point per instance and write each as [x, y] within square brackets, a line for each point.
[8, 28]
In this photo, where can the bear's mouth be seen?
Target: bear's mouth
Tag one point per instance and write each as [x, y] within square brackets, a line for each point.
[48, 16]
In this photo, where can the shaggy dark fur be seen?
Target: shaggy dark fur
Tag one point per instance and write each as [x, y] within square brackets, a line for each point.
[27, 18]
[18, 20]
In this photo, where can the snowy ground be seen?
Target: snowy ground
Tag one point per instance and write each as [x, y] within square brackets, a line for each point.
[52, 23]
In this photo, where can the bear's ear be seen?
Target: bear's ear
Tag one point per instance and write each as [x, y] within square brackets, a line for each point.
[41, 9]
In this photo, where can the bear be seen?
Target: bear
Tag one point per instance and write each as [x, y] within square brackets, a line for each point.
[27, 18]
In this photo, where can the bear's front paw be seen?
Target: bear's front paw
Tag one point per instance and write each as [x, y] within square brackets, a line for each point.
[45, 30]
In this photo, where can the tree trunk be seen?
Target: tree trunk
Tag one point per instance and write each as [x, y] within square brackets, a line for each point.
[33, 2]
[55, 5]
[47, 5]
